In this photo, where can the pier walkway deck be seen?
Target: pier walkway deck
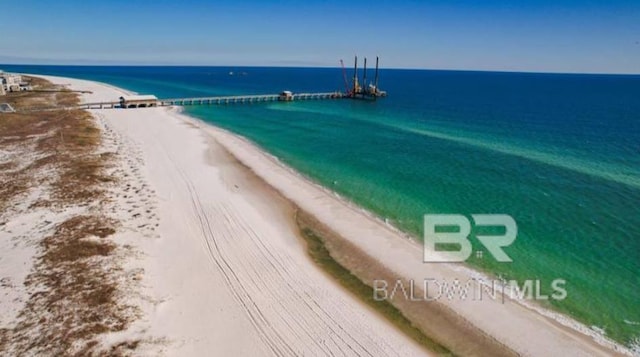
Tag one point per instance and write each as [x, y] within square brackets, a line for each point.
[236, 99]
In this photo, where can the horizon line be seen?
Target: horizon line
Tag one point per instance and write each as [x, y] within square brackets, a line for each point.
[319, 66]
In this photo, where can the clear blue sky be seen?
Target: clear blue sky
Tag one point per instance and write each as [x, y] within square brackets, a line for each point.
[556, 36]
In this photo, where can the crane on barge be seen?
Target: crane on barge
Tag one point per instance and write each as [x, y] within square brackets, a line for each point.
[364, 91]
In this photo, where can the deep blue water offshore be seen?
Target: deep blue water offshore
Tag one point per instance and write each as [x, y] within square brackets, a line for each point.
[559, 153]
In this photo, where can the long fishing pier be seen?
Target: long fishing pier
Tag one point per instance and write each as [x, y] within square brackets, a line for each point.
[251, 98]
[151, 101]
[359, 90]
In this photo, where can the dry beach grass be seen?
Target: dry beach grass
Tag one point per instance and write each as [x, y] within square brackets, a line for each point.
[51, 166]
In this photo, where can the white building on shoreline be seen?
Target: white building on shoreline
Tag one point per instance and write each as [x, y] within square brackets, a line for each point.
[11, 82]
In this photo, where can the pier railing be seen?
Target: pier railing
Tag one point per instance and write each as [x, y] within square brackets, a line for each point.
[238, 99]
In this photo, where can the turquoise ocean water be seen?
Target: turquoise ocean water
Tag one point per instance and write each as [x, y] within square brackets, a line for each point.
[559, 153]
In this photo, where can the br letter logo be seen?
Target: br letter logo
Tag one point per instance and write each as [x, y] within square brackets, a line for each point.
[453, 245]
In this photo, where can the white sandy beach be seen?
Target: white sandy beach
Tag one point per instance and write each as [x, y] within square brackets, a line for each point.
[226, 274]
